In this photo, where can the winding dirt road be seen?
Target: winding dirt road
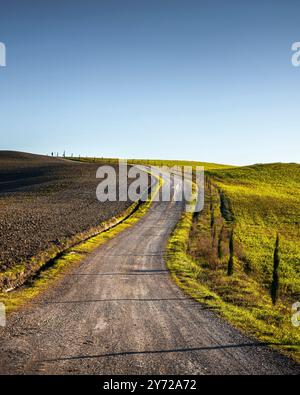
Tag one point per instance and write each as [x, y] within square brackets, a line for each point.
[120, 313]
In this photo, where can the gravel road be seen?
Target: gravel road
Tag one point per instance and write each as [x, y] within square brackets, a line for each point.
[120, 313]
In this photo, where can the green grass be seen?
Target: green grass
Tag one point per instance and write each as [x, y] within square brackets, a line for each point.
[265, 200]
[248, 309]
[260, 201]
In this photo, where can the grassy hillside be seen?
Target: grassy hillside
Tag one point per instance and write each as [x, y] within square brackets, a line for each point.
[156, 162]
[265, 200]
[256, 203]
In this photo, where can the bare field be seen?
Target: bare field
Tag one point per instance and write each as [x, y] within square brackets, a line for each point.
[45, 201]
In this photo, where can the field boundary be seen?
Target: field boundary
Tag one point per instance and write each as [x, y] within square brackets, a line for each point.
[20, 273]
[62, 261]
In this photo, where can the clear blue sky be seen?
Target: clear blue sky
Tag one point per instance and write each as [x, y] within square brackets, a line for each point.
[200, 80]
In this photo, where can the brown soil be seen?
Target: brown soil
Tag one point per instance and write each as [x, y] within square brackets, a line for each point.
[43, 202]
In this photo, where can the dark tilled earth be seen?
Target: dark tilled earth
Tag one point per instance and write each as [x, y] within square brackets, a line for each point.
[44, 201]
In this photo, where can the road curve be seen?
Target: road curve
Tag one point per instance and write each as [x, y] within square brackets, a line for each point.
[120, 313]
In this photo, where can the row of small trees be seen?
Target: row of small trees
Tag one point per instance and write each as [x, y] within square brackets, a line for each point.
[230, 265]
[276, 261]
[63, 154]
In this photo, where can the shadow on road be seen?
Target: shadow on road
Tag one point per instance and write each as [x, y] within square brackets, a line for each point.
[175, 350]
[129, 273]
[185, 300]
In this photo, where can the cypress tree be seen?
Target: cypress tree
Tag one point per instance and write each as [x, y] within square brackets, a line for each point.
[275, 279]
[213, 235]
[231, 255]
[220, 250]
[212, 218]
